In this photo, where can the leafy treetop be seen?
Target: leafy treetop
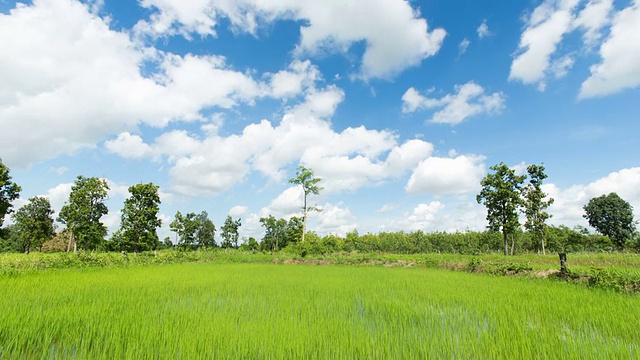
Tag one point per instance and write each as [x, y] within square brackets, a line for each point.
[9, 191]
[611, 216]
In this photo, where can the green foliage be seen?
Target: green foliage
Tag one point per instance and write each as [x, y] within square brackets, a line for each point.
[274, 233]
[139, 219]
[250, 244]
[474, 265]
[280, 233]
[205, 231]
[82, 212]
[33, 224]
[9, 191]
[501, 195]
[614, 279]
[230, 234]
[611, 216]
[305, 178]
[194, 230]
[512, 268]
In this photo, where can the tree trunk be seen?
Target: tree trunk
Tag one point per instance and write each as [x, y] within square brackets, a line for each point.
[506, 243]
[304, 224]
[513, 244]
[70, 241]
[542, 242]
[304, 216]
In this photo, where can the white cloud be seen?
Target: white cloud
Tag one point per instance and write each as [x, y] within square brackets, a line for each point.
[129, 146]
[238, 211]
[424, 214]
[545, 28]
[468, 100]
[483, 29]
[291, 82]
[175, 144]
[193, 17]
[395, 36]
[346, 160]
[422, 217]
[447, 176]
[287, 204]
[320, 103]
[567, 208]
[412, 100]
[452, 216]
[619, 68]
[553, 19]
[519, 168]
[462, 47]
[387, 208]
[69, 81]
[333, 219]
[560, 67]
[592, 18]
[58, 195]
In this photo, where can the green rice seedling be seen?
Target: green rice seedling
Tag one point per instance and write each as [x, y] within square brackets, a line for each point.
[257, 311]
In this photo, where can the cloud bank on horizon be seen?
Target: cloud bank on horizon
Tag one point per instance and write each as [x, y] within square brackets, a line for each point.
[400, 109]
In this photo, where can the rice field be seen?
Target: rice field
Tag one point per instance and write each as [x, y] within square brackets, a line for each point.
[276, 311]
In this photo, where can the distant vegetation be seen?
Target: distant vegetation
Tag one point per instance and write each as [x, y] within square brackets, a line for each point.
[504, 193]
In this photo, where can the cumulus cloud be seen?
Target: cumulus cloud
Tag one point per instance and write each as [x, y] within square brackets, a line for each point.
[550, 22]
[238, 211]
[567, 208]
[292, 81]
[63, 65]
[346, 160]
[468, 100]
[129, 146]
[395, 36]
[424, 214]
[447, 176]
[333, 219]
[619, 68]
[592, 18]
[436, 216]
[545, 28]
[287, 204]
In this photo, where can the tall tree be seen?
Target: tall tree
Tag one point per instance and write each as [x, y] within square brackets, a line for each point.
[205, 231]
[83, 211]
[611, 216]
[274, 233]
[9, 191]
[535, 203]
[230, 235]
[304, 177]
[139, 219]
[192, 229]
[501, 195]
[185, 228]
[294, 231]
[33, 224]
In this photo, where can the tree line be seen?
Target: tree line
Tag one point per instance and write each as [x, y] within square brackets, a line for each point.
[504, 193]
[506, 196]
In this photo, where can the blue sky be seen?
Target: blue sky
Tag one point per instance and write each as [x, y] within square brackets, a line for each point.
[401, 107]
